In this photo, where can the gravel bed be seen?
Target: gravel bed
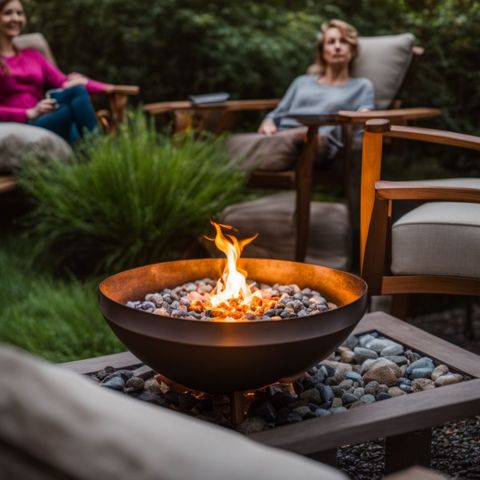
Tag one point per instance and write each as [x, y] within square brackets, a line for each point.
[191, 301]
[455, 452]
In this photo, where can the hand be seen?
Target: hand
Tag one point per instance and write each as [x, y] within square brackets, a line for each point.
[74, 79]
[267, 127]
[47, 105]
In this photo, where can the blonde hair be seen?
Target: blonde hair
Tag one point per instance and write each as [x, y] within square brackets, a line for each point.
[348, 31]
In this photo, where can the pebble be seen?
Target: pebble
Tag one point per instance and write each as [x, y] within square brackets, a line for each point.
[362, 353]
[380, 344]
[448, 379]
[115, 383]
[367, 398]
[395, 391]
[372, 387]
[439, 371]
[421, 384]
[312, 395]
[395, 349]
[322, 412]
[356, 377]
[190, 301]
[337, 402]
[338, 410]
[349, 398]
[420, 373]
[383, 374]
[252, 425]
[424, 362]
[364, 339]
[135, 383]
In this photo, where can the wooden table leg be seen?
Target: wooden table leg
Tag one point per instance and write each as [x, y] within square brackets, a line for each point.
[407, 449]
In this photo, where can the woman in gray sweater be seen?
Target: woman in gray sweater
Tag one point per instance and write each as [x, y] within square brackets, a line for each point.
[327, 89]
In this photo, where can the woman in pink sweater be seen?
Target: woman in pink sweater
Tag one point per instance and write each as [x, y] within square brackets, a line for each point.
[25, 76]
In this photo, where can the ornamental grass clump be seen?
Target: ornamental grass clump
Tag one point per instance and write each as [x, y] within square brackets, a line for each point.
[129, 199]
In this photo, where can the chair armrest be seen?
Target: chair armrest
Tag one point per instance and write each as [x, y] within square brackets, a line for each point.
[442, 137]
[425, 191]
[123, 90]
[7, 183]
[229, 106]
[393, 114]
[319, 119]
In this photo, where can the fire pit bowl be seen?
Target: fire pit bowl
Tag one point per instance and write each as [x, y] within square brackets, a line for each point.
[223, 357]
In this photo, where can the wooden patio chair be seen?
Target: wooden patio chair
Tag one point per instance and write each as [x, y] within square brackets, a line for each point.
[117, 100]
[386, 61]
[434, 248]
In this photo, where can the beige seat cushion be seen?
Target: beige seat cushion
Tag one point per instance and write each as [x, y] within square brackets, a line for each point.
[439, 238]
[37, 41]
[272, 217]
[18, 140]
[56, 424]
[385, 61]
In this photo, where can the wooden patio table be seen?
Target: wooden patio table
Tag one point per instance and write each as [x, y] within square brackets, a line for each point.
[405, 421]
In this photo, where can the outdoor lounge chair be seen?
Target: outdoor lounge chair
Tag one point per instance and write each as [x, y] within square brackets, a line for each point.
[18, 139]
[58, 424]
[434, 248]
[286, 227]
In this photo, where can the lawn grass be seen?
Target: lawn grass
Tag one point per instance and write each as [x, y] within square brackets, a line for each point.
[57, 319]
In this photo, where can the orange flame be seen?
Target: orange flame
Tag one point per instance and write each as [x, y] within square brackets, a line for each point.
[233, 283]
[232, 298]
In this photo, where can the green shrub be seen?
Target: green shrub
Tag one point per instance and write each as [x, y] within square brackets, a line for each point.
[58, 320]
[128, 199]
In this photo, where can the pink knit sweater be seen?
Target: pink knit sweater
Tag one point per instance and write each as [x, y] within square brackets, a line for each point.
[24, 85]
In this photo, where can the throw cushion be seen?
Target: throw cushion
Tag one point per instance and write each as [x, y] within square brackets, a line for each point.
[57, 424]
[273, 218]
[439, 238]
[385, 61]
[18, 140]
[37, 41]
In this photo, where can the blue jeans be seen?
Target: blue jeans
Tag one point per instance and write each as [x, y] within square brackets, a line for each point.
[74, 115]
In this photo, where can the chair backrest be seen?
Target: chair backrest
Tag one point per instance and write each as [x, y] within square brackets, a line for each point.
[385, 60]
[37, 41]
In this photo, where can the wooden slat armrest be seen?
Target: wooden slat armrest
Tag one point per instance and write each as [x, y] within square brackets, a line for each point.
[124, 89]
[428, 191]
[393, 114]
[245, 105]
[230, 106]
[312, 120]
[7, 183]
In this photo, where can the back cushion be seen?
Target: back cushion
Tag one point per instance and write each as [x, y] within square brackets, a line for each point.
[385, 61]
[37, 41]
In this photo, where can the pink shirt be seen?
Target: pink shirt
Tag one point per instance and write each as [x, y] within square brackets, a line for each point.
[29, 76]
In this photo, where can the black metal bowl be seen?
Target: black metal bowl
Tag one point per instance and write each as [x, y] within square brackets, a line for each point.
[223, 357]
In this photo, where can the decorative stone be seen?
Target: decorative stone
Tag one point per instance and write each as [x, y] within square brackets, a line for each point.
[346, 384]
[337, 402]
[372, 387]
[358, 392]
[383, 362]
[380, 344]
[322, 412]
[364, 339]
[383, 396]
[326, 393]
[304, 412]
[340, 372]
[395, 391]
[362, 354]
[252, 425]
[412, 356]
[352, 341]
[135, 383]
[439, 371]
[448, 379]
[382, 388]
[383, 374]
[421, 384]
[424, 362]
[367, 398]
[312, 395]
[114, 383]
[397, 359]
[406, 388]
[356, 377]
[348, 398]
[338, 410]
[347, 356]
[420, 373]
[395, 349]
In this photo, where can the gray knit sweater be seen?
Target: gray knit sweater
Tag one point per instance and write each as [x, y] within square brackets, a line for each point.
[306, 96]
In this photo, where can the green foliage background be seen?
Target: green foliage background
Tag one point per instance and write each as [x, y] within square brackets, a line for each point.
[253, 48]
